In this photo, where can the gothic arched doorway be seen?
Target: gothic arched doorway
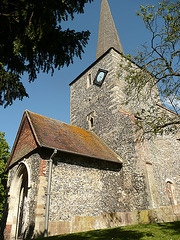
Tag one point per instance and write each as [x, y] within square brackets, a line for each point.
[18, 200]
[22, 203]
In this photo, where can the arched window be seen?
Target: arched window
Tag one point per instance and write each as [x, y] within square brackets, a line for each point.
[91, 120]
[170, 191]
[89, 80]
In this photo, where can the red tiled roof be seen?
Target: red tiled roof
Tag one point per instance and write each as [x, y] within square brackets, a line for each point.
[54, 134]
[62, 136]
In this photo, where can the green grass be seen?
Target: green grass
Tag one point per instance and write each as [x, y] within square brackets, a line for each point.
[155, 231]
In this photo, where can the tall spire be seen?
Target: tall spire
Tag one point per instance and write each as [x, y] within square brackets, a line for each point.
[108, 36]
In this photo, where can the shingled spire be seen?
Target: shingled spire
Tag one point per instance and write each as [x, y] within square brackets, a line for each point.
[108, 36]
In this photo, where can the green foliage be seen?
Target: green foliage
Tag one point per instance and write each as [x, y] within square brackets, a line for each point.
[158, 65]
[155, 231]
[32, 40]
[4, 155]
[10, 87]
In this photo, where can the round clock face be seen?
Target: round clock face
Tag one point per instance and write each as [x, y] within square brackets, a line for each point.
[100, 76]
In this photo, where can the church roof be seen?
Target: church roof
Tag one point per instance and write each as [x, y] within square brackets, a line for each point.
[39, 131]
[108, 36]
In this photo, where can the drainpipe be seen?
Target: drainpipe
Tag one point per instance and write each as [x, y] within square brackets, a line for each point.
[48, 193]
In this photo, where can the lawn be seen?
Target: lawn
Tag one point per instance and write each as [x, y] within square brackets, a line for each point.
[155, 231]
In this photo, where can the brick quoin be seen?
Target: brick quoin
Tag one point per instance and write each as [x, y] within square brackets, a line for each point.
[129, 115]
[42, 170]
[7, 232]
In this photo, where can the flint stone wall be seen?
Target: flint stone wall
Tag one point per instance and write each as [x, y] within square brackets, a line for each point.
[84, 187]
[146, 164]
[114, 124]
[164, 156]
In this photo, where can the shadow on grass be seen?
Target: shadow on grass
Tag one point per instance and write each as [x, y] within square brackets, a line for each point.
[109, 234]
[136, 232]
[116, 233]
[174, 227]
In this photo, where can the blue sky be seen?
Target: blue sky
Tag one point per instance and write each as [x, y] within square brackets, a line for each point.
[50, 96]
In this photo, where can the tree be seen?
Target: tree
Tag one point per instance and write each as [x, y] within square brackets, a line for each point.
[32, 40]
[4, 155]
[157, 64]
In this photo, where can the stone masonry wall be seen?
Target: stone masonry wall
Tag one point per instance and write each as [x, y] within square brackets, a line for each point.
[163, 152]
[146, 165]
[112, 123]
[84, 187]
[89, 194]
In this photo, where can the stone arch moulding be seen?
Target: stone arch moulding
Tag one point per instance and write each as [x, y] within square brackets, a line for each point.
[20, 184]
[28, 172]
[17, 176]
[169, 180]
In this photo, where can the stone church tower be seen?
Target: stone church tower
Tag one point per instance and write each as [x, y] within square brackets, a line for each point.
[93, 173]
[99, 92]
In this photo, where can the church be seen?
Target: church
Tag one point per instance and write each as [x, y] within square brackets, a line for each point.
[92, 173]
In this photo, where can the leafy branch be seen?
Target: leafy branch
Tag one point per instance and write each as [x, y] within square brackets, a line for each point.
[32, 40]
[152, 75]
